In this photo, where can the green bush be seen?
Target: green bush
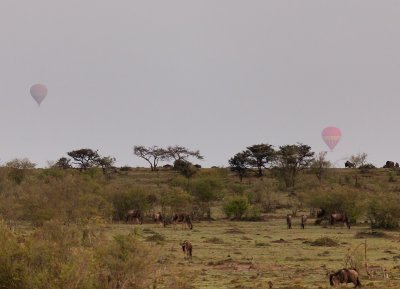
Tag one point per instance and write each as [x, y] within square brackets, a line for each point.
[130, 198]
[235, 207]
[338, 199]
[384, 211]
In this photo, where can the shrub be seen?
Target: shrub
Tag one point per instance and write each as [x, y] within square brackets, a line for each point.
[392, 177]
[205, 190]
[185, 168]
[367, 167]
[324, 242]
[56, 256]
[125, 260]
[236, 207]
[384, 211]
[131, 198]
[338, 199]
[253, 213]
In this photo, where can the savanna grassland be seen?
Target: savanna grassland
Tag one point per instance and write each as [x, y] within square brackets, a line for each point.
[66, 228]
[250, 254]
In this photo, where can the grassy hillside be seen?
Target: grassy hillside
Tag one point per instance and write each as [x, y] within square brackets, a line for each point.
[60, 222]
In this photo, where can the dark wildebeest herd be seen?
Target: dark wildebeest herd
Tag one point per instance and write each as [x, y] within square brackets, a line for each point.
[182, 218]
[185, 219]
[341, 276]
[388, 165]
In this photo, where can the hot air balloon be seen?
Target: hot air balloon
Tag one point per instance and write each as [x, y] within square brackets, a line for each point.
[331, 136]
[38, 92]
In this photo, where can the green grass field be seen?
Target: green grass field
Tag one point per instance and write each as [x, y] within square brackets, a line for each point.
[229, 254]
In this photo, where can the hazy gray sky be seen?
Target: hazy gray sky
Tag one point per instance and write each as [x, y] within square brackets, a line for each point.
[213, 75]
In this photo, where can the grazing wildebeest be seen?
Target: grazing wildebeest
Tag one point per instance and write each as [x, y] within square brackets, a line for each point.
[340, 218]
[314, 212]
[134, 215]
[389, 165]
[396, 165]
[158, 218]
[289, 221]
[183, 218]
[303, 221]
[320, 214]
[187, 249]
[345, 276]
[348, 164]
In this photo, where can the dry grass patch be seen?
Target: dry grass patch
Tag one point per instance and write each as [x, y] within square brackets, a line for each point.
[234, 231]
[370, 234]
[214, 240]
[323, 242]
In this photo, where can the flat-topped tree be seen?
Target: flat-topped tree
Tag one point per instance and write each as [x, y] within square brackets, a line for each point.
[181, 153]
[84, 158]
[260, 155]
[152, 154]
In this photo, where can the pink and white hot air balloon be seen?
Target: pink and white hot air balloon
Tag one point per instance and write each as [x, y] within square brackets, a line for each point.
[331, 136]
[38, 92]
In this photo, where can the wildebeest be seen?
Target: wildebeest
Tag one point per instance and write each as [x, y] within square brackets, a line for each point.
[314, 212]
[187, 249]
[389, 165]
[183, 218]
[289, 221]
[158, 218]
[320, 214]
[134, 215]
[349, 164]
[340, 218]
[345, 276]
[303, 221]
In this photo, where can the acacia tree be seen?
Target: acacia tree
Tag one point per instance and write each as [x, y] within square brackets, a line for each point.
[84, 158]
[260, 155]
[240, 163]
[291, 159]
[106, 163]
[181, 153]
[152, 154]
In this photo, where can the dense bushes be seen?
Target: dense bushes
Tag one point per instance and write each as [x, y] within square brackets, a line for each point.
[338, 199]
[384, 211]
[129, 198]
[57, 256]
[235, 207]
